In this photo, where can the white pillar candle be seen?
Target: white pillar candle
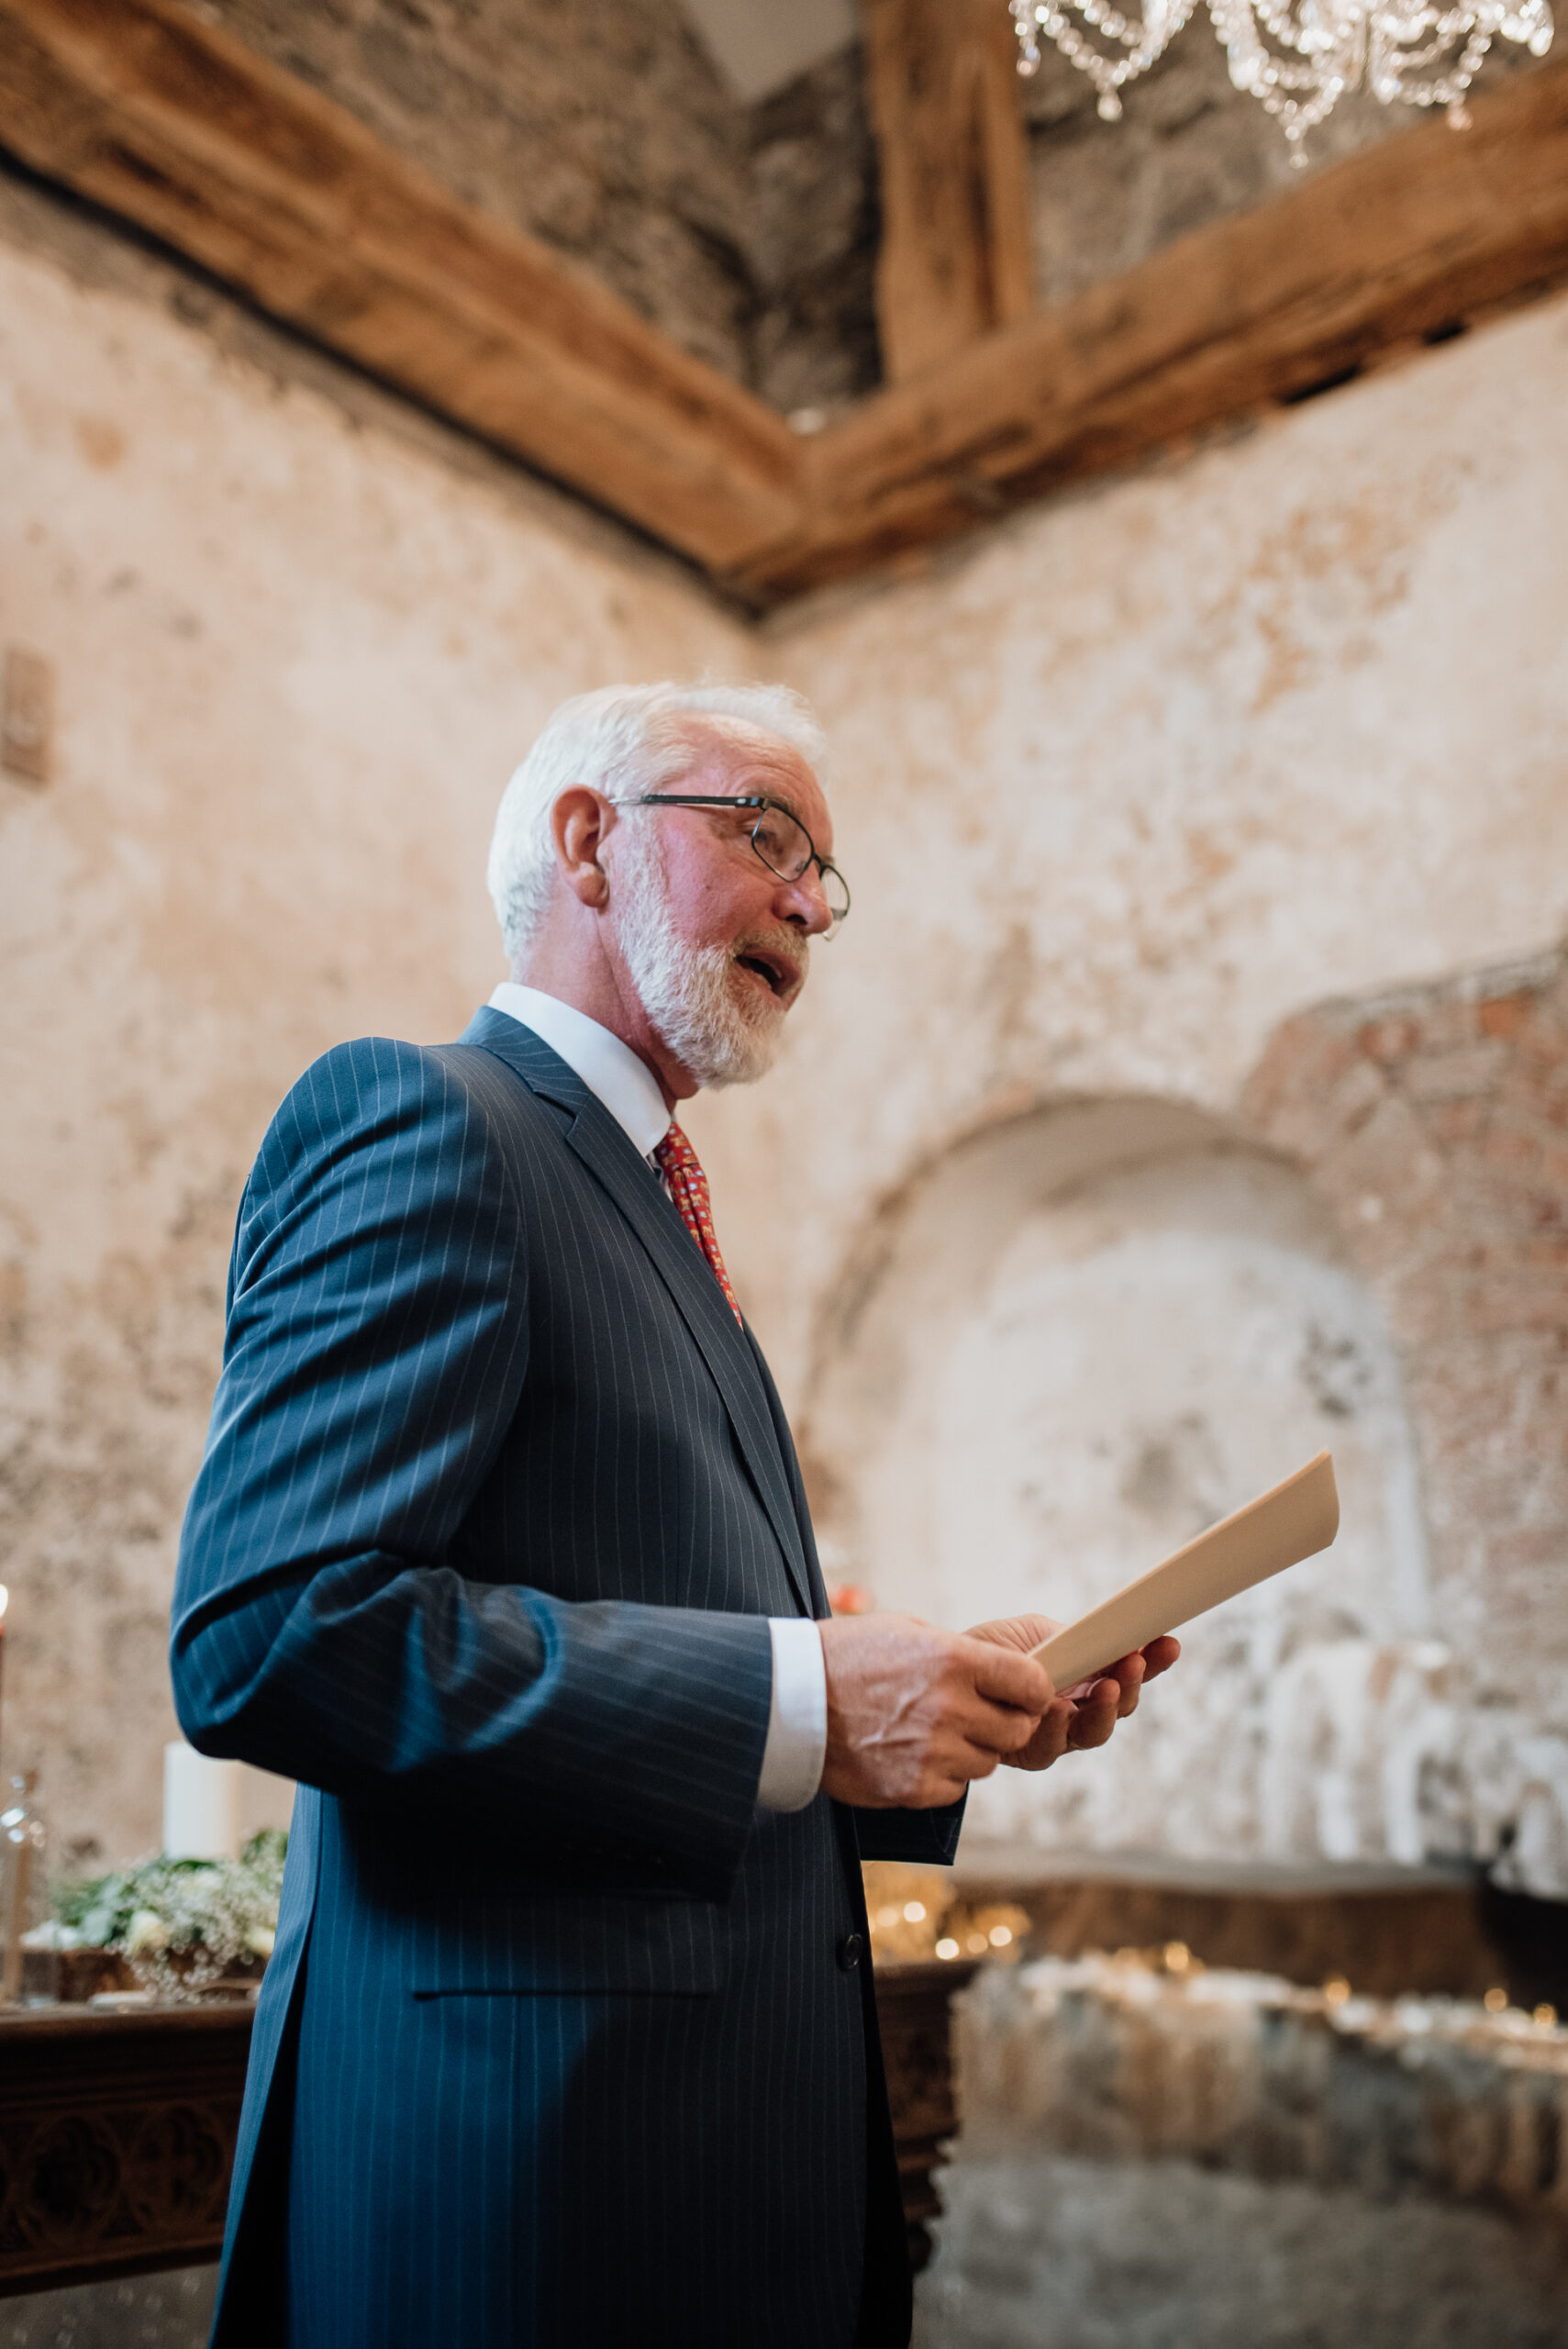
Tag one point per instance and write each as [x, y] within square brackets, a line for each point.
[201, 1805]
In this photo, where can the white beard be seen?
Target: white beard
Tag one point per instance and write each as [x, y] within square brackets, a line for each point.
[688, 991]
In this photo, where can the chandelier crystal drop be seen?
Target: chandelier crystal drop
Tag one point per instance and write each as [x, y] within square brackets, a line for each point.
[1299, 57]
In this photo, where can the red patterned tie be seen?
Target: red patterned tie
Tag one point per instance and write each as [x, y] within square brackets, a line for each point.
[678, 1165]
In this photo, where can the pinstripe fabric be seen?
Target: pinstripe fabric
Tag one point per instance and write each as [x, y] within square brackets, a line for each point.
[496, 1502]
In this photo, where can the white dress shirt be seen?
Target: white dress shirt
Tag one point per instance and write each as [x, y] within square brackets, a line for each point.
[797, 1713]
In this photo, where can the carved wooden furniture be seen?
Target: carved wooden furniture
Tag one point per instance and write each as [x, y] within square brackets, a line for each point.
[116, 2138]
[913, 2004]
[116, 2130]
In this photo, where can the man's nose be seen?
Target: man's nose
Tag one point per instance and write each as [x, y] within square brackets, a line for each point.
[805, 904]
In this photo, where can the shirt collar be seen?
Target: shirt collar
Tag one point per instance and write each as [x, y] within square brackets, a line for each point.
[609, 1069]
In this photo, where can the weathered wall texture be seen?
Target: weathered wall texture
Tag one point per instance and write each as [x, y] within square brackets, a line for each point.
[748, 233]
[1094, 1329]
[1190, 149]
[299, 645]
[1122, 788]
[812, 233]
[1119, 791]
[1435, 1120]
[1128, 783]
[1091, 1331]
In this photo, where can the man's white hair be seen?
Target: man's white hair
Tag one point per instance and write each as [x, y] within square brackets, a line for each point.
[622, 741]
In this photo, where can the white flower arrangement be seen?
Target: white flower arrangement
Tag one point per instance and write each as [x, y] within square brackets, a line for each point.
[181, 1924]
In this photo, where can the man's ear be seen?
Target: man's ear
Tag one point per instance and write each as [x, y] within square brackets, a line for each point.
[580, 823]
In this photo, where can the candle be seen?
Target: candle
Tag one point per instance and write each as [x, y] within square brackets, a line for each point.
[201, 1805]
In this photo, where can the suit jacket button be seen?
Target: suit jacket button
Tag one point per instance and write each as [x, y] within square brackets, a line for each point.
[851, 1948]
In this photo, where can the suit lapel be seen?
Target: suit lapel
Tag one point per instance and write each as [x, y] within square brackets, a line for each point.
[728, 1350]
[785, 1441]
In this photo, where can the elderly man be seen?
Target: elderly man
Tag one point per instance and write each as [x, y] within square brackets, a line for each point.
[499, 1547]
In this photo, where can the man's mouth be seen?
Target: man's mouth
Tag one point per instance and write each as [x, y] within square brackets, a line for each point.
[778, 975]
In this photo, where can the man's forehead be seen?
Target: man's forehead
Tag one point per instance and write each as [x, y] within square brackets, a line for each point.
[736, 756]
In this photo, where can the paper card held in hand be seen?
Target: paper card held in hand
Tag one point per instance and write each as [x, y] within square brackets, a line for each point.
[1293, 1521]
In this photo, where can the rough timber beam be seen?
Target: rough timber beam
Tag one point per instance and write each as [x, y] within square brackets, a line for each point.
[1415, 235]
[174, 125]
[954, 261]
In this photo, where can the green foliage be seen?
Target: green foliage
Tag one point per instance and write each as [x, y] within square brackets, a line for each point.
[210, 1914]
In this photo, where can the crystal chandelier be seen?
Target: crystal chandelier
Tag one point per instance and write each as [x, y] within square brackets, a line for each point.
[1298, 56]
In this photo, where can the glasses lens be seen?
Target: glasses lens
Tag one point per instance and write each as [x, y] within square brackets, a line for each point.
[784, 845]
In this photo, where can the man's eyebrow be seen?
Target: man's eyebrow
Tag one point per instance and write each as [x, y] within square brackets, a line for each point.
[774, 798]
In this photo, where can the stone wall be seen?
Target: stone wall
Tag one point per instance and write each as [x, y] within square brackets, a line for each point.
[1087, 1332]
[1436, 1120]
[748, 233]
[299, 639]
[1129, 781]
[1091, 1331]
[1190, 149]
[1122, 788]
[812, 239]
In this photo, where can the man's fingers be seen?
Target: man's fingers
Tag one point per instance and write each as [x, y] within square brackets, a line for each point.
[956, 1762]
[1129, 1680]
[1127, 1675]
[999, 1729]
[1050, 1741]
[1096, 1716]
[1007, 1676]
[914, 1714]
[1025, 1631]
[939, 1791]
[1145, 1664]
[1087, 1716]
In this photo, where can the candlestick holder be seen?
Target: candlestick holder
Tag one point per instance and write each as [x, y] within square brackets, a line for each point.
[29, 1965]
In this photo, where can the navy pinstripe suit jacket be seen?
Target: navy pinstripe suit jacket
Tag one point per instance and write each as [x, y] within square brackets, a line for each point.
[556, 2045]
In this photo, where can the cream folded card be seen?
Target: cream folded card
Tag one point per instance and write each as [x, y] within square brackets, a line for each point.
[1293, 1521]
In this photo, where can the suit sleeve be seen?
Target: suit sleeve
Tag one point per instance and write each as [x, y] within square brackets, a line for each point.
[375, 1359]
[919, 1837]
[922, 1838]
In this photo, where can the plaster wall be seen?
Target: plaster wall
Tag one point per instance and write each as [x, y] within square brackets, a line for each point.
[299, 641]
[1136, 776]
[1099, 1329]
[1120, 788]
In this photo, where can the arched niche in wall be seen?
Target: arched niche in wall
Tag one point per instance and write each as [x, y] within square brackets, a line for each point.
[1429, 1119]
[1073, 1342]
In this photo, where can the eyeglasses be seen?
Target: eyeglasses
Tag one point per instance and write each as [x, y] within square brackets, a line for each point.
[780, 838]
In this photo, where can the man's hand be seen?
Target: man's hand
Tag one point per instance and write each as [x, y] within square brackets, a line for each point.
[1085, 1715]
[914, 1713]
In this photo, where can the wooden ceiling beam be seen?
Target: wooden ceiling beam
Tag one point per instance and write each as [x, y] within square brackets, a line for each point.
[955, 259]
[174, 125]
[1411, 236]
[178, 127]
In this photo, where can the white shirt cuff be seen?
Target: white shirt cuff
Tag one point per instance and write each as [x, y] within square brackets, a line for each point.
[798, 1716]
